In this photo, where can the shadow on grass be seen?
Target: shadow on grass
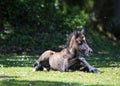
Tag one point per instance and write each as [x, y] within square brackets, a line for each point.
[8, 77]
[14, 82]
[104, 61]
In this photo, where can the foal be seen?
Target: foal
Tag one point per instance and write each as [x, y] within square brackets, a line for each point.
[59, 60]
[73, 54]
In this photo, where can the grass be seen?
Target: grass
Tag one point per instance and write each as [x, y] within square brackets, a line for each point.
[17, 71]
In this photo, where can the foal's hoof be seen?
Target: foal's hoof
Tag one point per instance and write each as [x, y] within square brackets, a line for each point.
[96, 71]
[34, 69]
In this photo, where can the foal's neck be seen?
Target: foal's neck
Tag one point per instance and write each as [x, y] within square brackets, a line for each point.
[73, 46]
[72, 51]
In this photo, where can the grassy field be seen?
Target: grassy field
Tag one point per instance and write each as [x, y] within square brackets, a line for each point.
[17, 71]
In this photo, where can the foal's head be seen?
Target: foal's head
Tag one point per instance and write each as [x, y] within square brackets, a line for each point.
[78, 41]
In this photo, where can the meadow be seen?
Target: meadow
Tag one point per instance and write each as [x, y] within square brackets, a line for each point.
[29, 27]
[17, 71]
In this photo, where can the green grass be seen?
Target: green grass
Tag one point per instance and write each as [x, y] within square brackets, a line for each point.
[17, 71]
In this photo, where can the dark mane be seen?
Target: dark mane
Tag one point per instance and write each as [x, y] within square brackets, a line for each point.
[69, 38]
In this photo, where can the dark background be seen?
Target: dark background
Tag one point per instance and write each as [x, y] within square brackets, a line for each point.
[33, 26]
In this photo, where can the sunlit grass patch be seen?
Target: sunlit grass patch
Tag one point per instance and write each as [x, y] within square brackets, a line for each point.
[22, 75]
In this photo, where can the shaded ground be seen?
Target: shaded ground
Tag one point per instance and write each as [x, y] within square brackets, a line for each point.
[14, 82]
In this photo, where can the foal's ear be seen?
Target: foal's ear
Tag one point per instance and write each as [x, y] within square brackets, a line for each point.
[75, 33]
[82, 31]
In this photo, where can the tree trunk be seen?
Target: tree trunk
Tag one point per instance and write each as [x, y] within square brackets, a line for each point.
[116, 19]
[1, 26]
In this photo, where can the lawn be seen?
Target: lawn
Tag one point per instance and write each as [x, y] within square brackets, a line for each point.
[17, 71]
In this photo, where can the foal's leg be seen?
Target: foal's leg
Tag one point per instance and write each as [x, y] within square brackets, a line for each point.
[91, 68]
[64, 67]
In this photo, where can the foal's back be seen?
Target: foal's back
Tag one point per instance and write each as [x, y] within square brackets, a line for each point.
[57, 59]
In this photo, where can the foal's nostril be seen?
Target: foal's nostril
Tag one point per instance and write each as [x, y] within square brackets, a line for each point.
[90, 51]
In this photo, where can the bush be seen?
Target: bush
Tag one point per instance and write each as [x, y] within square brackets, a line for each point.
[38, 25]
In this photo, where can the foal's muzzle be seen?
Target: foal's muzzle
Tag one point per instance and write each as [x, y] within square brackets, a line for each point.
[90, 51]
[87, 51]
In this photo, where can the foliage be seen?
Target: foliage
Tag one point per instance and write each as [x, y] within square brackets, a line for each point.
[34, 26]
[29, 25]
[77, 21]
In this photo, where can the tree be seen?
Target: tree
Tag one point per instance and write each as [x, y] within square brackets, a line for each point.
[107, 17]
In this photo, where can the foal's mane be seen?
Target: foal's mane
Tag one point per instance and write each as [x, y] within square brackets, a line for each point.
[69, 38]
